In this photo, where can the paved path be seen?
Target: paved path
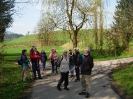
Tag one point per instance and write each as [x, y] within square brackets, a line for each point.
[46, 88]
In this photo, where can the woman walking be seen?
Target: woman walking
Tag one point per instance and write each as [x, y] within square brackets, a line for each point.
[64, 68]
[35, 57]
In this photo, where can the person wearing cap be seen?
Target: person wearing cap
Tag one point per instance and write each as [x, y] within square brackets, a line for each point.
[77, 63]
[25, 65]
[86, 69]
[64, 69]
[71, 62]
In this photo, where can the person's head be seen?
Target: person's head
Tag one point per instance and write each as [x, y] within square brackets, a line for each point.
[76, 49]
[34, 48]
[87, 51]
[52, 50]
[70, 51]
[24, 51]
[64, 52]
[42, 50]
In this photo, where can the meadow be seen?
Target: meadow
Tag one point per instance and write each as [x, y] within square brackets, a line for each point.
[11, 86]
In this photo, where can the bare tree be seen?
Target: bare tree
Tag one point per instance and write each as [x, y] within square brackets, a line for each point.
[69, 15]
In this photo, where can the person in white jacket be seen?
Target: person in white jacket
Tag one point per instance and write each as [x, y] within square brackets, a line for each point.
[64, 69]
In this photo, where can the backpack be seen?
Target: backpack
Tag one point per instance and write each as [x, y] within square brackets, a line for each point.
[20, 61]
[59, 61]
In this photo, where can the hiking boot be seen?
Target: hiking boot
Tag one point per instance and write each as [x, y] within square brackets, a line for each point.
[40, 77]
[35, 78]
[82, 93]
[87, 95]
[59, 88]
[66, 88]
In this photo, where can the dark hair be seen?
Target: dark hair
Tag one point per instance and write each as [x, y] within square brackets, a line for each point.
[23, 51]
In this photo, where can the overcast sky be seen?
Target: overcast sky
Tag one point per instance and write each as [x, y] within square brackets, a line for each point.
[28, 16]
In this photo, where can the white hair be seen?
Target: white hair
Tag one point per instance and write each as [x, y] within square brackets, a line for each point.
[64, 51]
[87, 49]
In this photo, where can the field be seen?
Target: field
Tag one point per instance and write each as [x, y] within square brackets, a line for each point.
[11, 86]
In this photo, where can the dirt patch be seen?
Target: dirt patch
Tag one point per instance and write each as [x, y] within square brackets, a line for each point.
[117, 88]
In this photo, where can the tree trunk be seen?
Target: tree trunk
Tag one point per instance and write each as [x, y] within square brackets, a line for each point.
[101, 26]
[74, 40]
[95, 25]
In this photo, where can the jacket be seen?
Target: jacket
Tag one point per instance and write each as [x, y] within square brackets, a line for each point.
[71, 58]
[25, 61]
[33, 57]
[87, 65]
[77, 59]
[64, 66]
[44, 57]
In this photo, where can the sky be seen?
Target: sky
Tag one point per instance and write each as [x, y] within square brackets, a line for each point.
[28, 15]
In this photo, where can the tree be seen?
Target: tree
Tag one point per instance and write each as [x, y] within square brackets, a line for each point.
[124, 21]
[6, 12]
[70, 15]
[45, 31]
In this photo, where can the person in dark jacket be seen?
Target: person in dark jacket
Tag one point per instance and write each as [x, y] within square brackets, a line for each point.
[71, 62]
[86, 70]
[43, 59]
[77, 63]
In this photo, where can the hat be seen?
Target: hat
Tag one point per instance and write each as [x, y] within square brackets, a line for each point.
[76, 48]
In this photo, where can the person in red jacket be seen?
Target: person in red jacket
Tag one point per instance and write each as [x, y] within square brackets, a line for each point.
[35, 56]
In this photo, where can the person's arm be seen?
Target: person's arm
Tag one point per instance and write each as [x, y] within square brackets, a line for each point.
[39, 55]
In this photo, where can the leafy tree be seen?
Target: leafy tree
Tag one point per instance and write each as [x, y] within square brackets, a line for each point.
[124, 21]
[6, 12]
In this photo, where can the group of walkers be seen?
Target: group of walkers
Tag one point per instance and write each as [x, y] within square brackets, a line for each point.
[82, 63]
[66, 64]
[35, 57]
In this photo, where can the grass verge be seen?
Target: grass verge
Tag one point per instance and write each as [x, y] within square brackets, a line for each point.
[123, 81]
[11, 85]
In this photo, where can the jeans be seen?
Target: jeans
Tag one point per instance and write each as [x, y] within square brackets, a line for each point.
[52, 63]
[56, 67]
[35, 68]
[43, 65]
[71, 67]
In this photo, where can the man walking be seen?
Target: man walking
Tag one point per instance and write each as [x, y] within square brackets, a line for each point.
[86, 69]
[77, 63]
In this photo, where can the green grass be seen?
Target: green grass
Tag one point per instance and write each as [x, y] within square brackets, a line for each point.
[11, 85]
[124, 79]
[22, 39]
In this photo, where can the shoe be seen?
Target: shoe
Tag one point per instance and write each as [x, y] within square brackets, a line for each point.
[71, 76]
[66, 88]
[59, 88]
[40, 77]
[76, 80]
[82, 93]
[35, 78]
[87, 95]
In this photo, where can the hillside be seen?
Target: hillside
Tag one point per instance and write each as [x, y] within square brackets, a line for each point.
[11, 36]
